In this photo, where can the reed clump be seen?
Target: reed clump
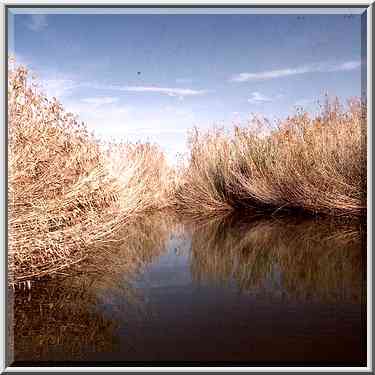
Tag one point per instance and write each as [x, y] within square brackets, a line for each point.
[67, 192]
[315, 164]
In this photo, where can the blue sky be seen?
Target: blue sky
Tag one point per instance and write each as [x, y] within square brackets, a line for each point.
[154, 76]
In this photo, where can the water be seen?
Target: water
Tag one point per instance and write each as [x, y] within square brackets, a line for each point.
[262, 292]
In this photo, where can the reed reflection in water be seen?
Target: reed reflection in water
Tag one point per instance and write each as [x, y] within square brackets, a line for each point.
[284, 256]
[59, 318]
[259, 291]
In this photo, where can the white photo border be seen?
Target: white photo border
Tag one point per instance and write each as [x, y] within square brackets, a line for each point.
[187, 6]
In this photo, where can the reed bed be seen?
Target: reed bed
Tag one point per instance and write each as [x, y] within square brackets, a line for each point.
[315, 164]
[67, 192]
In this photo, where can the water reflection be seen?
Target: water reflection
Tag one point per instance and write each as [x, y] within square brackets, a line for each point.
[255, 291]
[59, 318]
[287, 257]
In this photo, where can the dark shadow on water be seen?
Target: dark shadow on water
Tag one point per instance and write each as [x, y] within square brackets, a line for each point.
[255, 291]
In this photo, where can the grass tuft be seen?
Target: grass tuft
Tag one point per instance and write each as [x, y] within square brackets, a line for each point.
[67, 192]
[314, 164]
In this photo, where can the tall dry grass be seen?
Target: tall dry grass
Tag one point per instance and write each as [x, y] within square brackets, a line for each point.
[68, 193]
[314, 164]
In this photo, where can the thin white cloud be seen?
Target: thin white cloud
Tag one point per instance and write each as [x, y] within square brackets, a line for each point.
[184, 80]
[178, 92]
[311, 68]
[120, 120]
[349, 65]
[257, 98]
[59, 87]
[37, 22]
[164, 90]
[103, 119]
[100, 100]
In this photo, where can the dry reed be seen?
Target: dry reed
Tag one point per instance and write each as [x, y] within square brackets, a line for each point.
[68, 193]
[314, 164]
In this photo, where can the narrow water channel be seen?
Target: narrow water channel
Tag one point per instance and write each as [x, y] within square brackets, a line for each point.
[257, 292]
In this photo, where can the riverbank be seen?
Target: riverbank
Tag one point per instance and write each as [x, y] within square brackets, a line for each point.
[68, 193]
[70, 196]
[310, 164]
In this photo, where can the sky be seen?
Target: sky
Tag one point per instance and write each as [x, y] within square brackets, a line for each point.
[152, 77]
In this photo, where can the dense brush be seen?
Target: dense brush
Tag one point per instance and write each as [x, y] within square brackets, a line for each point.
[67, 192]
[311, 164]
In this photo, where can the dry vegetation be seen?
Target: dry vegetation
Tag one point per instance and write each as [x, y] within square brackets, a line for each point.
[313, 164]
[71, 196]
[68, 193]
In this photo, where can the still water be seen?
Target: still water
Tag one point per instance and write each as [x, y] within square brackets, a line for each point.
[257, 292]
